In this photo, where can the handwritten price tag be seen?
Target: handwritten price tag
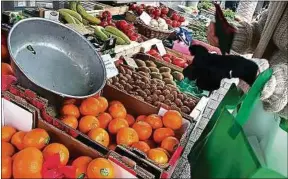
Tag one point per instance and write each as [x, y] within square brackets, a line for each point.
[111, 69]
[145, 18]
[161, 48]
[130, 62]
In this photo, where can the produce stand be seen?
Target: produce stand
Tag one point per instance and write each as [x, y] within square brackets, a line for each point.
[142, 87]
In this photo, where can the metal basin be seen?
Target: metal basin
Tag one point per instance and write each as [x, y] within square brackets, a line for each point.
[51, 58]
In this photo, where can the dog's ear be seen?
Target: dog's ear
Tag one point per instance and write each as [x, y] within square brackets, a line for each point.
[197, 50]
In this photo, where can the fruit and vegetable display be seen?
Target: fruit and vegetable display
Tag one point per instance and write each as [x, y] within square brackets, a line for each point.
[110, 31]
[129, 30]
[156, 13]
[31, 155]
[190, 87]
[152, 88]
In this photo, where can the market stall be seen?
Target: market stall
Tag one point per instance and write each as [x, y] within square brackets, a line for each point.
[96, 89]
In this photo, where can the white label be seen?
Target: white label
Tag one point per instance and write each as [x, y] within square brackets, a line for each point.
[145, 18]
[111, 69]
[21, 3]
[52, 15]
[130, 62]
[162, 111]
[161, 48]
[16, 116]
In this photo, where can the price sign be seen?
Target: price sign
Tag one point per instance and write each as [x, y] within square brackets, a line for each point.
[145, 18]
[161, 48]
[111, 69]
[162, 111]
[130, 62]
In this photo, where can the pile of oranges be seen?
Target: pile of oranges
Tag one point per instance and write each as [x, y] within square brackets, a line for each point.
[23, 155]
[109, 124]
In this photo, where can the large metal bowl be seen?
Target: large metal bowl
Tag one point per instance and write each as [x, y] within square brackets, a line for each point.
[51, 58]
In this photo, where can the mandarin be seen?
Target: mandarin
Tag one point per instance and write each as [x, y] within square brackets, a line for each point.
[7, 133]
[100, 168]
[90, 106]
[87, 123]
[70, 121]
[143, 129]
[6, 168]
[141, 118]
[130, 119]
[38, 138]
[7, 149]
[6, 69]
[17, 140]
[117, 111]
[158, 156]
[70, 110]
[103, 103]
[154, 120]
[81, 164]
[56, 148]
[28, 163]
[160, 134]
[127, 136]
[99, 135]
[115, 102]
[116, 124]
[172, 119]
[170, 144]
[104, 120]
[142, 146]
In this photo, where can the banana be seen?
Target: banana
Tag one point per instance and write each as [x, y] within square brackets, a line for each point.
[72, 13]
[77, 21]
[73, 6]
[67, 17]
[119, 40]
[118, 33]
[98, 30]
[85, 15]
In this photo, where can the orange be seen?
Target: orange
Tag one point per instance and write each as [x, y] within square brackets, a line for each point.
[112, 146]
[103, 103]
[170, 144]
[7, 149]
[70, 110]
[6, 69]
[100, 168]
[142, 146]
[104, 120]
[7, 133]
[87, 123]
[28, 163]
[38, 138]
[172, 119]
[99, 135]
[70, 121]
[69, 101]
[161, 133]
[158, 156]
[81, 164]
[6, 168]
[117, 111]
[17, 140]
[116, 124]
[127, 136]
[4, 52]
[141, 118]
[115, 102]
[130, 119]
[143, 129]
[154, 120]
[164, 150]
[56, 148]
[90, 106]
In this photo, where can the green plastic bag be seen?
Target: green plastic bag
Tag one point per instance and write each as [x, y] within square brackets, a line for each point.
[223, 150]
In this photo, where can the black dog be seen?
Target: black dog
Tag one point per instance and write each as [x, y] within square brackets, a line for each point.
[209, 69]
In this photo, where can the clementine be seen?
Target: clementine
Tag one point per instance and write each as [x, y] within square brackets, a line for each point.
[115, 102]
[100, 168]
[154, 120]
[142, 146]
[70, 110]
[160, 134]
[103, 103]
[143, 129]
[90, 106]
[87, 123]
[164, 150]
[117, 111]
[158, 156]
[170, 144]
[17, 140]
[4, 52]
[69, 101]
[7, 149]
[172, 119]
[116, 124]
[7, 133]
[141, 118]
[81, 164]
[127, 136]
[70, 121]
[56, 148]
[130, 119]
[6, 69]
[99, 135]
[104, 120]
[38, 138]
[28, 163]
[6, 168]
